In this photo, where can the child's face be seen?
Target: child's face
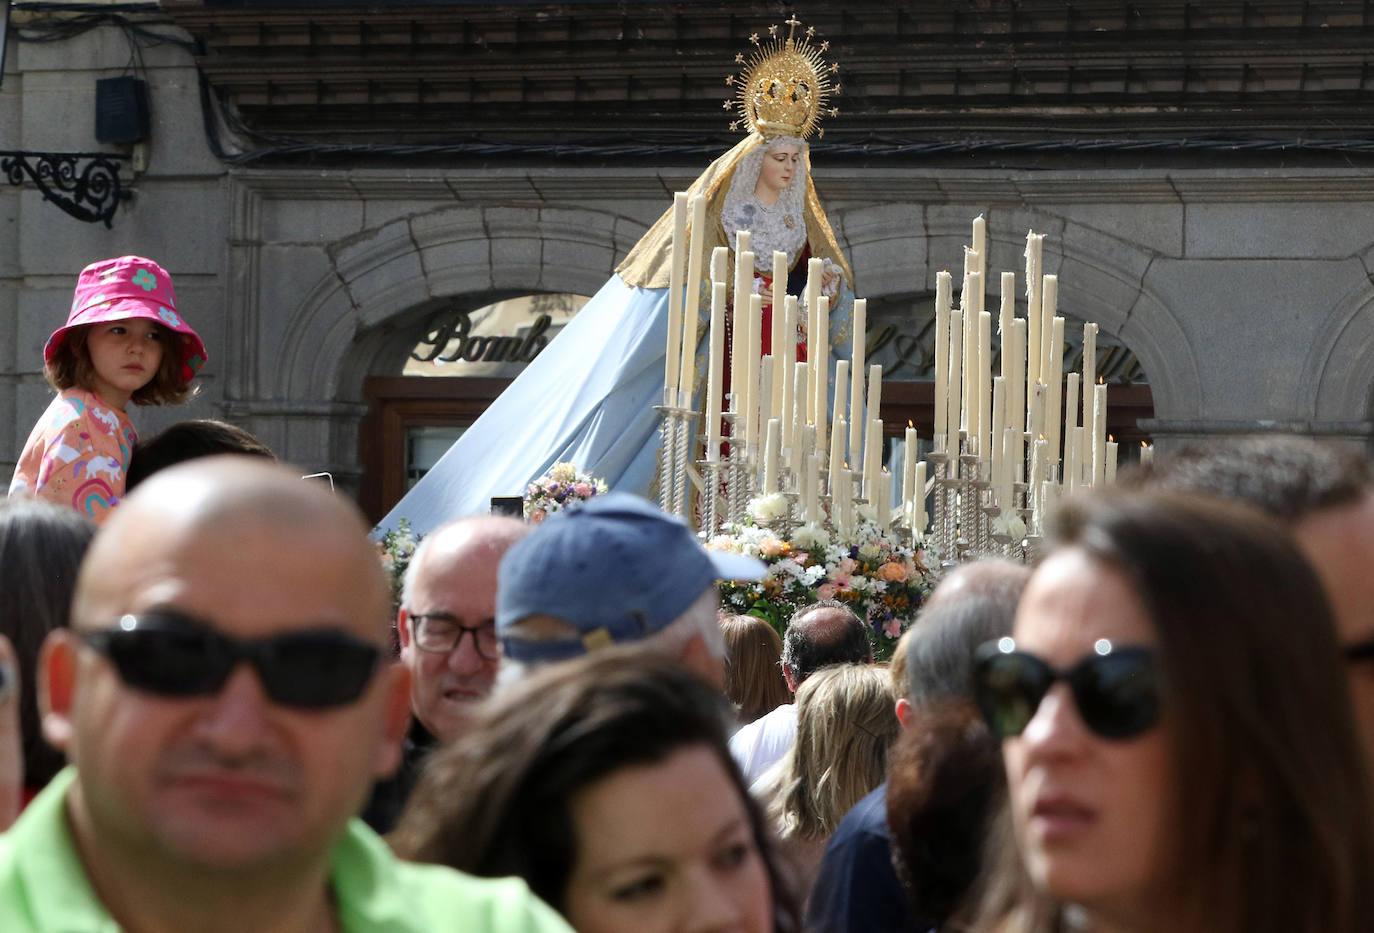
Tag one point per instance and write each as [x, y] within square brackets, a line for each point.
[125, 356]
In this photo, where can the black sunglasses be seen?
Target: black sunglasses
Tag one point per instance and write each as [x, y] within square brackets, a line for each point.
[1116, 689]
[175, 655]
[1360, 651]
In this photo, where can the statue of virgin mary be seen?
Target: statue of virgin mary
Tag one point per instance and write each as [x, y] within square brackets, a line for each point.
[589, 396]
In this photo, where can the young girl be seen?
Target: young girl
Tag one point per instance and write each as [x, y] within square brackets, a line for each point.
[123, 342]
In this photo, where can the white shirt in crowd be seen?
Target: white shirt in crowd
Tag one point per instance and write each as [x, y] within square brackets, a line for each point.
[764, 742]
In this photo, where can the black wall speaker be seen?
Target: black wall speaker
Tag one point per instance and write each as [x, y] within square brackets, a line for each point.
[122, 113]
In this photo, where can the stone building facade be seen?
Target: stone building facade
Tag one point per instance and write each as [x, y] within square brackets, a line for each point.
[1239, 280]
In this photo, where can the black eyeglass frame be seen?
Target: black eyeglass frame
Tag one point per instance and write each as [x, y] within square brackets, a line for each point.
[418, 619]
[1079, 677]
[284, 683]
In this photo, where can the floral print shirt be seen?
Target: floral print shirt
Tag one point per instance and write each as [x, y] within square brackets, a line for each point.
[77, 454]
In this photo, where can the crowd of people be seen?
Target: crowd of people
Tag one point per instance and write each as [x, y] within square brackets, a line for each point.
[213, 717]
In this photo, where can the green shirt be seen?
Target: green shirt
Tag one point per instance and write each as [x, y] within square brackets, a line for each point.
[44, 888]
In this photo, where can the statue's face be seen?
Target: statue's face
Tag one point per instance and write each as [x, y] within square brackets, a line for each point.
[780, 166]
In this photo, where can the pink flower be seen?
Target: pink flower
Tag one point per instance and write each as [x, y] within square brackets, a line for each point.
[846, 566]
[892, 628]
[584, 490]
[892, 572]
[537, 516]
[827, 591]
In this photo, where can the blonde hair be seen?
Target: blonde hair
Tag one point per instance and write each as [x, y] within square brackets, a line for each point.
[845, 724]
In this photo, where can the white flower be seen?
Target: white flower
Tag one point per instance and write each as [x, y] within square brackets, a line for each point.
[870, 551]
[813, 575]
[1010, 525]
[810, 536]
[863, 585]
[768, 508]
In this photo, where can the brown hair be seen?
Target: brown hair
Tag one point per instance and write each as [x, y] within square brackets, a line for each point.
[753, 666]
[499, 801]
[1274, 828]
[41, 546]
[845, 723]
[71, 366]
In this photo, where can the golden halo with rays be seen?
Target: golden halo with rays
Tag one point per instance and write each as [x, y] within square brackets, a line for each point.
[783, 87]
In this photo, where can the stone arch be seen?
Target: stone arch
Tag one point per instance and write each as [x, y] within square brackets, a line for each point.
[899, 248]
[359, 319]
[1338, 372]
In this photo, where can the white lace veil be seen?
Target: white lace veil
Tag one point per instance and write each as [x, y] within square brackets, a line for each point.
[768, 226]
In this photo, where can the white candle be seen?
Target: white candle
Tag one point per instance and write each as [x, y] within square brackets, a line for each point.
[1039, 454]
[1037, 411]
[820, 373]
[813, 481]
[909, 457]
[968, 303]
[1006, 313]
[995, 437]
[1055, 384]
[739, 337]
[1016, 399]
[1147, 454]
[920, 503]
[715, 370]
[1071, 438]
[837, 441]
[696, 252]
[789, 345]
[840, 501]
[1089, 380]
[837, 414]
[980, 247]
[1111, 462]
[672, 360]
[1049, 305]
[942, 312]
[1099, 434]
[1012, 440]
[720, 258]
[857, 419]
[771, 444]
[799, 425]
[983, 408]
[814, 273]
[956, 363]
[872, 409]
[1034, 250]
[753, 324]
[884, 509]
[873, 459]
[764, 395]
[777, 318]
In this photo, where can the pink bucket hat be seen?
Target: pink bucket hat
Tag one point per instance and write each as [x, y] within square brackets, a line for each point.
[124, 288]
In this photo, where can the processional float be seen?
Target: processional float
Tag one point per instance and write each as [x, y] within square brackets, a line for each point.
[805, 436]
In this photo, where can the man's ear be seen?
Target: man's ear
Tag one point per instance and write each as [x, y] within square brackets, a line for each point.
[403, 633]
[790, 679]
[395, 719]
[904, 712]
[57, 687]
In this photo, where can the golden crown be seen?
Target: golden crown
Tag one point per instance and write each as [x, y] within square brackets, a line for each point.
[782, 88]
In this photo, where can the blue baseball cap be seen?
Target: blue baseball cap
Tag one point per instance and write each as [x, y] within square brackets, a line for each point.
[617, 569]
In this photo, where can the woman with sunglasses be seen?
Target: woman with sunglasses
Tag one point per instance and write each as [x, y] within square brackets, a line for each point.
[1178, 740]
[606, 783]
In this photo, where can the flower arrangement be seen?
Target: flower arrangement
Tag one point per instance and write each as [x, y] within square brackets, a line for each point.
[883, 580]
[396, 549]
[564, 486]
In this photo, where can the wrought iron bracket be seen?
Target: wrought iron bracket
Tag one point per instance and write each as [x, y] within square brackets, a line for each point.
[84, 184]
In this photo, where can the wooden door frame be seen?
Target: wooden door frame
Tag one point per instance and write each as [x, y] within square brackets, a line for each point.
[394, 405]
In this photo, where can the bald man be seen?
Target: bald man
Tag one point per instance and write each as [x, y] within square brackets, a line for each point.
[224, 699]
[447, 629]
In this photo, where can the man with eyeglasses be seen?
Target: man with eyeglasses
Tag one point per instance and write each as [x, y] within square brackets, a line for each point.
[225, 701]
[1326, 495]
[447, 630]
